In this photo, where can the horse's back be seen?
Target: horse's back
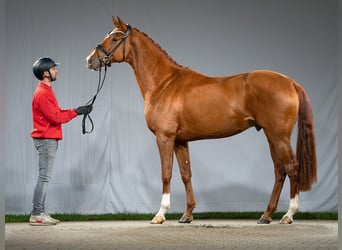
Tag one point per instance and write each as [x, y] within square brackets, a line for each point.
[202, 107]
[261, 98]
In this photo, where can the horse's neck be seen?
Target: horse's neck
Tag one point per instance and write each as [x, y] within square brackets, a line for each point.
[152, 66]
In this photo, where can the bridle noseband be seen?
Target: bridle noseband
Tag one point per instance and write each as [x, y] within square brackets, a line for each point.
[107, 63]
[106, 59]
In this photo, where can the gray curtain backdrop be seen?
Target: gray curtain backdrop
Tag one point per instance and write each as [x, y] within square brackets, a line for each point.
[116, 169]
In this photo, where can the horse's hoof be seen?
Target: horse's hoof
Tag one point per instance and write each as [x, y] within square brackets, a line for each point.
[264, 220]
[186, 219]
[286, 220]
[158, 220]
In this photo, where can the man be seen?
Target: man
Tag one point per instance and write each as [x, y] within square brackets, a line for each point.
[47, 131]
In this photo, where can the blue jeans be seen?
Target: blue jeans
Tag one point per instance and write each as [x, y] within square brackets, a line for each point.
[46, 149]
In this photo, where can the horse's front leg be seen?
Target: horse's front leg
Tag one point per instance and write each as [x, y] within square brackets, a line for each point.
[166, 148]
[182, 154]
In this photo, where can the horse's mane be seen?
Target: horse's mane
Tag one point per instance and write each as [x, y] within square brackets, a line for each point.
[160, 48]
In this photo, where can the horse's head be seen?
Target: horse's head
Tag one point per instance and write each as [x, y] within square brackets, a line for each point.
[112, 48]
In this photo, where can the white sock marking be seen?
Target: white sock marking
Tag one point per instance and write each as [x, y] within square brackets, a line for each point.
[293, 207]
[164, 206]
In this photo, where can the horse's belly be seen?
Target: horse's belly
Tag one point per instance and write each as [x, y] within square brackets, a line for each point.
[209, 128]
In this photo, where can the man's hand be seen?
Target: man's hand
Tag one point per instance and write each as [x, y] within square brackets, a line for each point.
[84, 110]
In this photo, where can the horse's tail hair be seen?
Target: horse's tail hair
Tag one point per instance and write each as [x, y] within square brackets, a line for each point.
[306, 144]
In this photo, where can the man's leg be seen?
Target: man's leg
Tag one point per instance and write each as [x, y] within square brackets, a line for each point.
[46, 149]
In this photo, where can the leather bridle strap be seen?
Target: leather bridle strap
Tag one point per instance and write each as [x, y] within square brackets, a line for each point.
[106, 60]
[107, 63]
[91, 102]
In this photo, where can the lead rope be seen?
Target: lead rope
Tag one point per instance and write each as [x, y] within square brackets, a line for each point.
[91, 102]
[100, 83]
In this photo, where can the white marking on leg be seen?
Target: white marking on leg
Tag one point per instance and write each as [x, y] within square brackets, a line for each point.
[164, 206]
[293, 207]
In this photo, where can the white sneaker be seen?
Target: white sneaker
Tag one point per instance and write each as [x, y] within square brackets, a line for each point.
[53, 219]
[42, 220]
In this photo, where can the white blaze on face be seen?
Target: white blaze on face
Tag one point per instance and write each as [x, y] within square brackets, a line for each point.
[164, 206]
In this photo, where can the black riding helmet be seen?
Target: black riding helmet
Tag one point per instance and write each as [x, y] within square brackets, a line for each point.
[41, 65]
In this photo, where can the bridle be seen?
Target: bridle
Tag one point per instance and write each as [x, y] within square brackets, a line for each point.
[106, 59]
[107, 63]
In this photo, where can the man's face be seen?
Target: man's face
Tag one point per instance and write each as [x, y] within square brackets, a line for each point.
[53, 72]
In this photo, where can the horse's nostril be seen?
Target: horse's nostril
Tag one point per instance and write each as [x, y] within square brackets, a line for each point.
[89, 63]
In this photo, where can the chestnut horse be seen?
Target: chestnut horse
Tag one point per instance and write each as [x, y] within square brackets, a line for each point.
[182, 105]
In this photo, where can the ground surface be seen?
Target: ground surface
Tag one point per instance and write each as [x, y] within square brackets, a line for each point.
[200, 234]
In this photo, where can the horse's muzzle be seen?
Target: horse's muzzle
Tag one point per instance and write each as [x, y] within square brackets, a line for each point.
[92, 64]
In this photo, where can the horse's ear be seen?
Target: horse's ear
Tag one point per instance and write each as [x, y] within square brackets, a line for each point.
[118, 22]
[122, 24]
[115, 22]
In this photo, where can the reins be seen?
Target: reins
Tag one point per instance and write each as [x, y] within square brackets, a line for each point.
[107, 63]
[91, 102]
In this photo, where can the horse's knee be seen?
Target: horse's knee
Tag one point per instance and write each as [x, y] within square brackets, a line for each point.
[166, 182]
[166, 176]
[186, 178]
[186, 175]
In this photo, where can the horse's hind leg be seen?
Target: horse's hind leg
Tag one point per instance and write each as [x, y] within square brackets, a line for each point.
[293, 172]
[182, 154]
[280, 175]
[285, 163]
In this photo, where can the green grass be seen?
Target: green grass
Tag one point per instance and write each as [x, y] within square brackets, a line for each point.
[175, 216]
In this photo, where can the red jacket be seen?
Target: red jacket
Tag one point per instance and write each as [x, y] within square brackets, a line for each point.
[47, 115]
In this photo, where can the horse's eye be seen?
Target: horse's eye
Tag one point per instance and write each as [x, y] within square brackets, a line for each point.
[114, 39]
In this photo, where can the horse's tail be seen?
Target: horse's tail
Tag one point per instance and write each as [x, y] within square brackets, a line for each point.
[306, 145]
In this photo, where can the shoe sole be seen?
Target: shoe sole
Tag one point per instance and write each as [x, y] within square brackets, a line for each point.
[42, 224]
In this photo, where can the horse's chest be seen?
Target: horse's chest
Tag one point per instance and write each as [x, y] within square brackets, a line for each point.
[150, 115]
[159, 114]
